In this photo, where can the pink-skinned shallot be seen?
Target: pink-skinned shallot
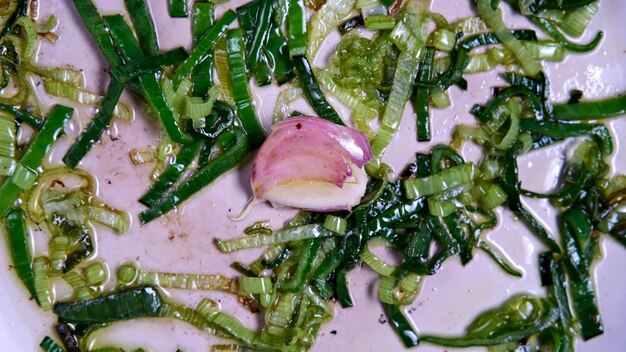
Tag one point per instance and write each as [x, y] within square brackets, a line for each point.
[312, 164]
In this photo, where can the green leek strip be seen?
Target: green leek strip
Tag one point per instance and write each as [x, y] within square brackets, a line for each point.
[19, 10]
[254, 60]
[8, 139]
[171, 174]
[129, 273]
[401, 325]
[49, 345]
[246, 16]
[342, 289]
[79, 285]
[322, 23]
[443, 40]
[421, 106]
[148, 64]
[591, 110]
[197, 109]
[562, 130]
[575, 22]
[61, 74]
[122, 305]
[405, 39]
[296, 25]
[42, 284]
[191, 317]
[116, 220]
[281, 236]
[180, 96]
[203, 177]
[25, 172]
[130, 50]
[22, 116]
[144, 25]
[406, 71]
[335, 224]
[511, 135]
[26, 49]
[223, 71]
[210, 311]
[469, 25]
[494, 20]
[98, 29]
[488, 328]
[277, 53]
[178, 8]
[493, 196]
[19, 247]
[95, 274]
[239, 86]
[188, 281]
[202, 48]
[286, 96]
[280, 315]
[500, 258]
[255, 285]
[57, 254]
[469, 133]
[380, 22]
[96, 127]
[448, 178]
[553, 32]
[296, 283]
[345, 96]
[203, 19]
[377, 264]
[323, 271]
[312, 91]
[71, 92]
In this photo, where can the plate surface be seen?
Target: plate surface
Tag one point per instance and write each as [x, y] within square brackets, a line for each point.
[183, 242]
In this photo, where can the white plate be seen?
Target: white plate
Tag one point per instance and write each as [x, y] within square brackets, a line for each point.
[183, 242]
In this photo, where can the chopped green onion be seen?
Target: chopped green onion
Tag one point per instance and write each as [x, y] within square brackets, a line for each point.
[439, 182]
[203, 19]
[96, 127]
[95, 273]
[335, 224]
[18, 237]
[296, 26]
[130, 50]
[493, 19]
[282, 236]
[202, 48]
[312, 91]
[178, 8]
[122, 305]
[139, 13]
[204, 176]
[49, 345]
[255, 285]
[25, 172]
[240, 90]
[42, 284]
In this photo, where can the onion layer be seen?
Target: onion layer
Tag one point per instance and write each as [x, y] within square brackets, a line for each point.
[313, 164]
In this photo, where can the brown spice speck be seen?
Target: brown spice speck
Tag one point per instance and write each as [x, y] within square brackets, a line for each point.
[250, 304]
